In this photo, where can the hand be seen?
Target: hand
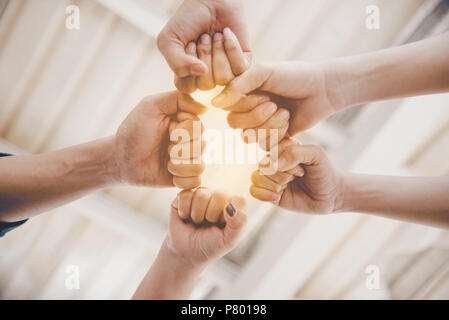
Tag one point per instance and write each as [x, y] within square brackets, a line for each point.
[303, 89]
[305, 181]
[192, 238]
[193, 18]
[141, 145]
[223, 56]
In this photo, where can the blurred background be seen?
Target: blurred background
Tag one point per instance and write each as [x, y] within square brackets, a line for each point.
[60, 87]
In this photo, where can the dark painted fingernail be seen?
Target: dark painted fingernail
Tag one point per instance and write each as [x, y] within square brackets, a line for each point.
[230, 209]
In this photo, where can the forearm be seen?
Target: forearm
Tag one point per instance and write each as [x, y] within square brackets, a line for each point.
[168, 278]
[32, 184]
[413, 69]
[415, 199]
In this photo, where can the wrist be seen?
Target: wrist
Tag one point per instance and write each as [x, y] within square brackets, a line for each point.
[358, 193]
[332, 73]
[340, 202]
[98, 160]
[180, 264]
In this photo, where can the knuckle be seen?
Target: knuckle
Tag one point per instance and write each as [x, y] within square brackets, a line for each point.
[252, 191]
[204, 49]
[203, 194]
[254, 177]
[198, 169]
[204, 84]
[178, 70]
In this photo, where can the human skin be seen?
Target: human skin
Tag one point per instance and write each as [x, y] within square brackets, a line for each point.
[189, 248]
[222, 54]
[314, 91]
[137, 155]
[318, 188]
[190, 21]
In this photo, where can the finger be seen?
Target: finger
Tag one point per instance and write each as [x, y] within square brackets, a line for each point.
[236, 58]
[200, 202]
[187, 84]
[193, 169]
[187, 183]
[235, 217]
[265, 182]
[284, 144]
[186, 131]
[247, 82]
[264, 194]
[297, 154]
[187, 104]
[281, 178]
[187, 151]
[222, 69]
[247, 103]
[204, 49]
[253, 118]
[184, 203]
[273, 130]
[276, 150]
[182, 64]
[216, 205]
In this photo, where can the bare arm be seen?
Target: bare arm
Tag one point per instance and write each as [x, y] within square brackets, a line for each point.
[415, 199]
[314, 91]
[413, 69]
[169, 277]
[33, 184]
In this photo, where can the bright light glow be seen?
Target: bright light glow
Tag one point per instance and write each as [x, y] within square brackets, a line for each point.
[233, 178]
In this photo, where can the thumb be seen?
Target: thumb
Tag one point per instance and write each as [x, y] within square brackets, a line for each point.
[249, 81]
[297, 154]
[180, 62]
[235, 218]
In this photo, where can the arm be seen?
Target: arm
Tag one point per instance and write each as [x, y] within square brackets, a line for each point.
[416, 199]
[137, 154]
[36, 183]
[169, 277]
[413, 69]
[314, 91]
[307, 182]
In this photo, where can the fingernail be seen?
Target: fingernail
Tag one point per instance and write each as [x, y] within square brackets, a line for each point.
[197, 70]
[205, 39]
[218, 36]
[270, 109]
[228, 34]
[230, 209]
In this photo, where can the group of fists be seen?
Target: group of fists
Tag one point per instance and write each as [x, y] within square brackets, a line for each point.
[206, 44]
